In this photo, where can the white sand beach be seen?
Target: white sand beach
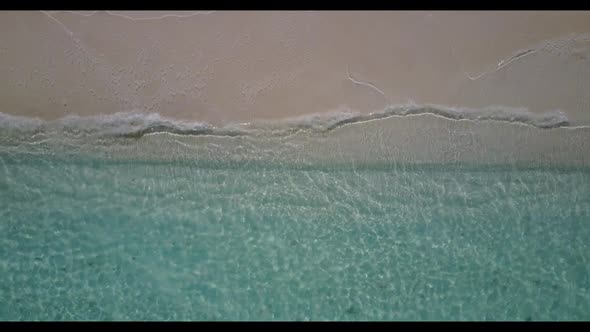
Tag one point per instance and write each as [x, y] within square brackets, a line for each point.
[226, 66]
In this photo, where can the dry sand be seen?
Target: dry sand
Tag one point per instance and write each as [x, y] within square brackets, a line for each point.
[241, 66]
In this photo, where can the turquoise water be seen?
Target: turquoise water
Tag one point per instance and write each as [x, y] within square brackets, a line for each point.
[405, 218]
[97, 239]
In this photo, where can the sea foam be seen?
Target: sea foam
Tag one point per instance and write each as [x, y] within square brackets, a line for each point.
[137, 123]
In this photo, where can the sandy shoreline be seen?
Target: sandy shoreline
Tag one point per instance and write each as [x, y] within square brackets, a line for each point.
[223, 67]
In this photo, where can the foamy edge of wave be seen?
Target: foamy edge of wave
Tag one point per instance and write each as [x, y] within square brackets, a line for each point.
[137, 124]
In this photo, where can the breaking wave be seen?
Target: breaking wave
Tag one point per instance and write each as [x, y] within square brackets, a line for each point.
[137, 124]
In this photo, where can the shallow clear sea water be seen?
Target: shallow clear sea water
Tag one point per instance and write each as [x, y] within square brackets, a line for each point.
[345, 226]
[84, 239]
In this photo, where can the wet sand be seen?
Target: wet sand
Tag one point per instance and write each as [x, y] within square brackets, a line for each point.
[228, 66]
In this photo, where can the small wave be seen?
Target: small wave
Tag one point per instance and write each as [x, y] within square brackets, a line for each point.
[546, 120]
[118, 124]
[138, 124]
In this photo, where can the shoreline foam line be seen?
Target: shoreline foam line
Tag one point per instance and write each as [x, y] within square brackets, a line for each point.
[138, 124]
